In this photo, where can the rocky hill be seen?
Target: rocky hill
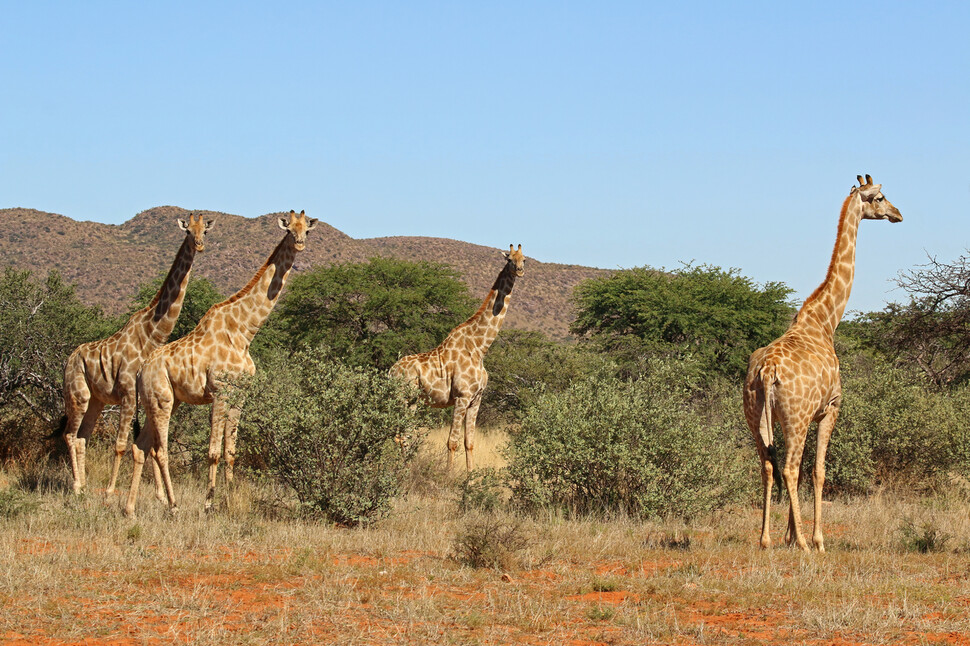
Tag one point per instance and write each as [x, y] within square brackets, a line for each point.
[108, 262]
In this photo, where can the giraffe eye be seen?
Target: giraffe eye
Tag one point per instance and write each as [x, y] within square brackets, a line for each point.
[880, 199]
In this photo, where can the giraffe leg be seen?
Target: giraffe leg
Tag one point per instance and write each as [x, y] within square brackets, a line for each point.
[139, 447]
[791, 472]
[825, 427]
[457, 422]
[127, 413]
[88, 422]
[229, 450]
[160, 494]
[152, 440]
[77, 396]
[162, 418]
[471, 415]
[218, 419]
[757, 424]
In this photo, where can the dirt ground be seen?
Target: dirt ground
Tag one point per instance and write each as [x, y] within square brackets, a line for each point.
[74, 571]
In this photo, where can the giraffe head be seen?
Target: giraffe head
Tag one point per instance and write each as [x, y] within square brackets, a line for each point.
[196, 228]
[516, 259]
[298, 227]
[875, 206]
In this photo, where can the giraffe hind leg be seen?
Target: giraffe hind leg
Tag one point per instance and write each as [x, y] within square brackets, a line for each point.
[825, 427]
[126, 415]
[756, 419]
[88, 422]
[457, 425]
[218, 419]
[792, 472]
[471, 416]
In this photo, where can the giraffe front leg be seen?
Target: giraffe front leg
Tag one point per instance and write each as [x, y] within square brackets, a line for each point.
[825, 427]
[457, 422]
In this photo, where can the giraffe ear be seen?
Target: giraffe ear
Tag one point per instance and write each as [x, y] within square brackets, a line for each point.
[283, 224]
[505, 254]
[311, 222]
[183, 225]
[208, 224]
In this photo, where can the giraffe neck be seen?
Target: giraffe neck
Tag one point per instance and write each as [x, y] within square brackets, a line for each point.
[248, 309]
[485, 324]
[823, 310]
[167, 304]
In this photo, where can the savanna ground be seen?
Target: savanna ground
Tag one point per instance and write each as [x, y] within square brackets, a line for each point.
[73, 570]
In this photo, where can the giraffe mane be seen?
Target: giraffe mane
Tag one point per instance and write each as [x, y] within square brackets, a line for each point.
[255, 279]
[835, 250]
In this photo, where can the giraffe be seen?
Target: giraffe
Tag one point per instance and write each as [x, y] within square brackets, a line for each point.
[194, 369]
[453, 373]
[103, 372]
[795, 379]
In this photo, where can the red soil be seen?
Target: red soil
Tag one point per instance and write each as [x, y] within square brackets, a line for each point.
[230, 593]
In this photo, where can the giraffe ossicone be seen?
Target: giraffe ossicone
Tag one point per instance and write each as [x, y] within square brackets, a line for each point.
[193, 369]
[453, 374]
[795, 380]
[103, 372]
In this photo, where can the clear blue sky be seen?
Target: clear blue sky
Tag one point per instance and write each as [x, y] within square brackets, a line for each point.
[612, 134]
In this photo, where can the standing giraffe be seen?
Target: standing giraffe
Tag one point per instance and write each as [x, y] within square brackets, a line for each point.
[453, 373]
[103, 372]
[193, 369]
[795, 379]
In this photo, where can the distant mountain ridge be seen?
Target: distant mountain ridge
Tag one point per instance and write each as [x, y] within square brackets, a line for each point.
[108, 262]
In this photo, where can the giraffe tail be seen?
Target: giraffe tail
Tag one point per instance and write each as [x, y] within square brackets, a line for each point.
[59, 428]
[767, 434]
[136, 425]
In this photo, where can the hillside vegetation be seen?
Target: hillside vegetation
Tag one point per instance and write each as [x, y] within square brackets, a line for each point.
[109, 262]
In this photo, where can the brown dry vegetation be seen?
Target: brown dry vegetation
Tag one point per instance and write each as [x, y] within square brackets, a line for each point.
[109, 262]
[76, 572]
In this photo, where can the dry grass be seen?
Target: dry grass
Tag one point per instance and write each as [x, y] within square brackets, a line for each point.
[73, 570]
[488, 443]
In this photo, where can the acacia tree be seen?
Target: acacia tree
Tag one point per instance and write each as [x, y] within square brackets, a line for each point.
[719, 317]
[370, 313]
[932, 331]
[41, 322]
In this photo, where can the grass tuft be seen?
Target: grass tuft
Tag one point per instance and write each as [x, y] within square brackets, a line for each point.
[490, 541]
[924, 537]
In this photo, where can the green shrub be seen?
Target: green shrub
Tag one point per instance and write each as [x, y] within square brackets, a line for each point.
[521, 362]
[894, 428]
[482, 489]
[327, 432]
[655, 446]
[41, 322]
